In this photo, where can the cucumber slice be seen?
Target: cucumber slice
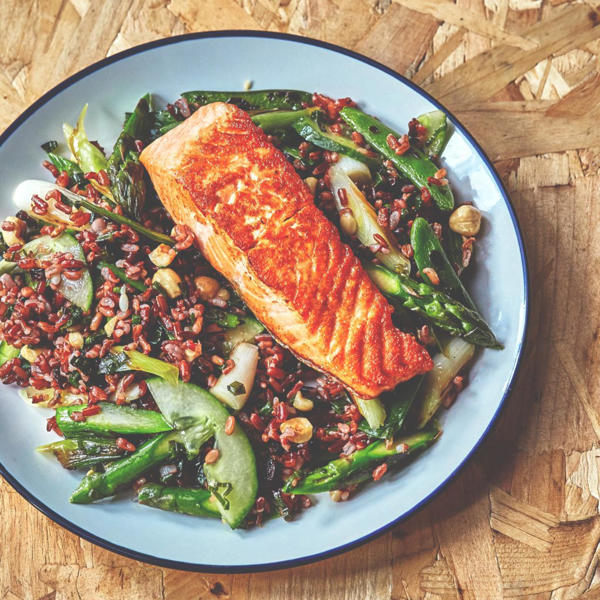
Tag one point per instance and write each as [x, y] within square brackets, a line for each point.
[81, 291]
[245, 332]
[232, 478]
[111, 419]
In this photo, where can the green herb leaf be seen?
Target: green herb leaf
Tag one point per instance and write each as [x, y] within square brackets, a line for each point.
[237, 388]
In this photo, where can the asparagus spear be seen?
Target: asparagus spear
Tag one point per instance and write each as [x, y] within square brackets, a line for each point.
[194, 502]
[336, 473]
[77, 201]
[127, 176]
[413, 164]
[112, 418]
[120, 273]
[437, 307]
[97, 485]
[83, 453]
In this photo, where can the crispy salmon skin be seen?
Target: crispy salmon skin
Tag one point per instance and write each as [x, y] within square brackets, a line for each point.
[256, 223]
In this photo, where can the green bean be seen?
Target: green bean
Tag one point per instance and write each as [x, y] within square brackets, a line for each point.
[413, 164]
[252, 100]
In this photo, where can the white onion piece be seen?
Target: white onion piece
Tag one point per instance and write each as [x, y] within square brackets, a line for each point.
[356, 170]
[245, 357]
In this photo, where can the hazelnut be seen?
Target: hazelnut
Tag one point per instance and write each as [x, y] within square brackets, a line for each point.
[162, 255]
[207, 287]
[465, 220]
[297, 430]
[169, 281]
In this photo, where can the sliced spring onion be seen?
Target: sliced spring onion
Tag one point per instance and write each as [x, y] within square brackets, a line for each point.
[234, 387]
[445, 368]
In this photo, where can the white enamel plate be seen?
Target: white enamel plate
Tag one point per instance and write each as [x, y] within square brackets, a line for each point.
[225, 60]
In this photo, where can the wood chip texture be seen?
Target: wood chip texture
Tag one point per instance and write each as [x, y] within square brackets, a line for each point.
[522, 519]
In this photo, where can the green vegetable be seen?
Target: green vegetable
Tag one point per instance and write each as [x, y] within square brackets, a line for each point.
[64, 164]
[372, 410]
[429, 253]
[232, 478]
[252, 100]
[368, 230]
[413, 164]
[281, 119]
[435, 306]
[83, 453]
[310, 130]
[234, 387]
[141, 362]
[79, 291]
[399, 403]
[112, 419]
[118, 474]
[76, 200]
[337, 473]
[7, 352]
[196, 502]
[222, 318]
[113, 362]
[246, 331]
[120, 273]
[88, 156]
[439, 132]
[6, 266]
[445, 368]
[127, 176]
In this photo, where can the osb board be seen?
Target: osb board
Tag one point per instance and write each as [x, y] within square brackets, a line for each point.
[522, 520]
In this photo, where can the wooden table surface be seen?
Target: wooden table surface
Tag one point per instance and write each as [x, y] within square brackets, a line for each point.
[521, 520]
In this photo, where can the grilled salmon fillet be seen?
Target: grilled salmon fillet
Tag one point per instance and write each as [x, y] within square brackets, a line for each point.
[256, 223]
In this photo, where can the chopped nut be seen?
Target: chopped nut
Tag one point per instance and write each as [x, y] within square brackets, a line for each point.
[30, 354]
[193, 353]
[12, 238]
[348, 223]
[110, 325]
[311, 182]
[75, 339]
[207, 287]
[297, 430]
[169, 281]
[162, 255]
[301, 403]
[339, 495]
[248, 83]
[466, 220]
[224, 294]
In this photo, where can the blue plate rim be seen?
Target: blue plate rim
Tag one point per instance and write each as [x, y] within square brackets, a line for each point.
[256, 568]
